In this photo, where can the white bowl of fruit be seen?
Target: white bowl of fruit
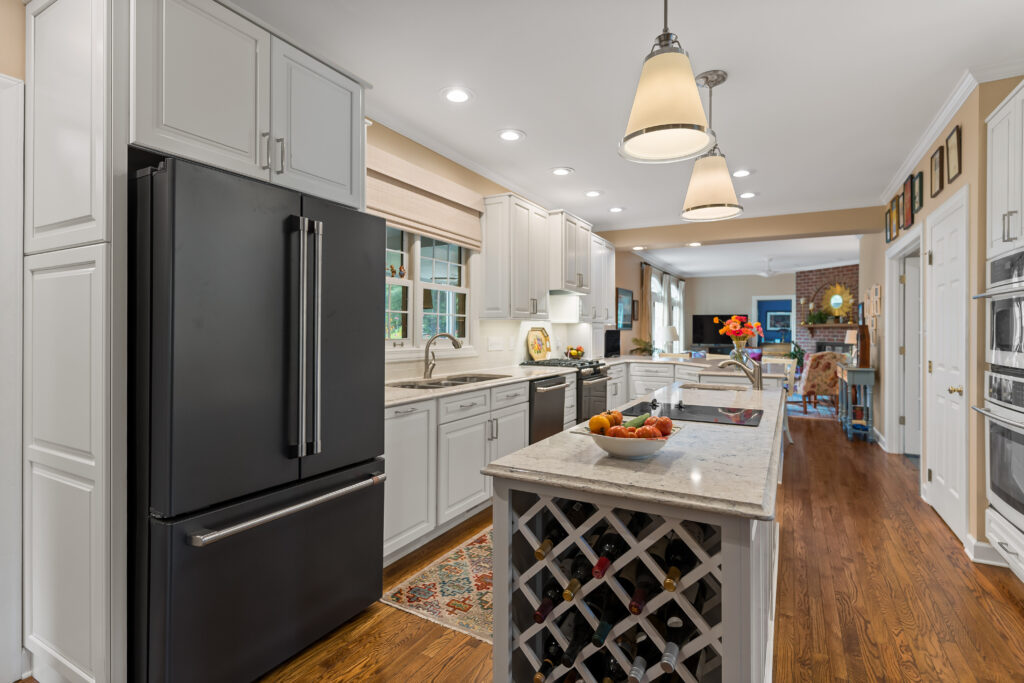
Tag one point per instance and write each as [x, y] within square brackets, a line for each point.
[635, 439]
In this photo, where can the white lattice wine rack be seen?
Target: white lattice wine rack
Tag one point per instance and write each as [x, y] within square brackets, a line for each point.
[735, 565]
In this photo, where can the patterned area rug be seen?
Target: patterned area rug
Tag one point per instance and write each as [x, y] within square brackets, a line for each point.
[454, 591]
[824, 411]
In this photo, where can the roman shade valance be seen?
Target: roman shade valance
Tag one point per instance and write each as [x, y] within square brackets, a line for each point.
[420, 201]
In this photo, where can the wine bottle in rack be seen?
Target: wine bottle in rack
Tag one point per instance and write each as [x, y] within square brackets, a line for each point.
[550, 594]
[612, 672]
[679, 628]
[579, 635]
[571, 677]
[552, 656]
[577, 511]
[553, 535]
[609, 548]
[645, 586]
[637, 522]
[608, 609]
[679, 561]
[579, 573]
[643, 655]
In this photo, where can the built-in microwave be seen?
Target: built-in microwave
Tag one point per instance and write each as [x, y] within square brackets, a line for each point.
[1004, 443]
[1004, 328]
[1006, 272]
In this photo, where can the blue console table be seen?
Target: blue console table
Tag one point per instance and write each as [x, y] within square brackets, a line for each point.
[856, 409]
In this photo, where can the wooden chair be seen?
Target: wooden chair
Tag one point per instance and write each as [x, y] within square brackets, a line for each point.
[819, 377]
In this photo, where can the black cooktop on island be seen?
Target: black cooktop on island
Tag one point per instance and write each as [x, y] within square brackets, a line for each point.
[744, 417]
[565, 363]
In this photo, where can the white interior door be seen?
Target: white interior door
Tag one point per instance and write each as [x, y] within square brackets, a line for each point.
[912, 355]
[946, 443]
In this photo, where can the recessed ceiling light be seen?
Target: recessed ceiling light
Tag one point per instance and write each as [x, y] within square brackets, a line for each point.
[638, 248]
[457, 95]
[693, 244]
[616, 209]
[741, 173]
[562, 170]
[748, 195]
[593, 193]
[511, 135]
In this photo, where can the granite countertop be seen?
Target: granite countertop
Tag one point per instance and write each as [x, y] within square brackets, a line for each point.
[394, 396]
[720, 468]
[704, 366]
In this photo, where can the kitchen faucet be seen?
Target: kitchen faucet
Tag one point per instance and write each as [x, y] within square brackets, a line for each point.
[429, 359]
[755, 376]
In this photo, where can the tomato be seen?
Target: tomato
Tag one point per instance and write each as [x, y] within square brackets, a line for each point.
[664, 425]
[650, 422]
[648, 432]
[599, 424]
[617, 431]
[616, 417]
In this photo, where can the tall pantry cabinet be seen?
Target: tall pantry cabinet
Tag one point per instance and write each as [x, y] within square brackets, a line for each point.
[196, 80]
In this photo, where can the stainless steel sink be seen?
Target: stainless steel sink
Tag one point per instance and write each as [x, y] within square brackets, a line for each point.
[445, 382]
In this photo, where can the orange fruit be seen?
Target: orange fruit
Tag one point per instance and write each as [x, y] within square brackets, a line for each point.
[616, 417]
[617, 431]
[664, 425]
[599, 424]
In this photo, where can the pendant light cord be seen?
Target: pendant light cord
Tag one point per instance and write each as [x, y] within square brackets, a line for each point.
[665, 30]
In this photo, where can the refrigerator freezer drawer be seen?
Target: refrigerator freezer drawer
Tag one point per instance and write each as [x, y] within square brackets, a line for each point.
[234, 592]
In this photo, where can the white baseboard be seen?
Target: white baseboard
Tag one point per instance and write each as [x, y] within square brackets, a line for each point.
[880, 440]
[983, 553]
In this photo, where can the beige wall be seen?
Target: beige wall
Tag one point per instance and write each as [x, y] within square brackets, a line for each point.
[627, 276]
[12, 38]
[789, 226]
[971, 118]
[730, 294]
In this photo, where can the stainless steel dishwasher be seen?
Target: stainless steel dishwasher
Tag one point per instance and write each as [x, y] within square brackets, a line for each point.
[547, 407]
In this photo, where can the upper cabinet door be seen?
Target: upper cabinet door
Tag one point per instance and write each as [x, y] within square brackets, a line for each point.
[317, 127]
[521, 276]
[65, 124]
[583, 256]
[539, 261]
[201, 85]
[1003, 184]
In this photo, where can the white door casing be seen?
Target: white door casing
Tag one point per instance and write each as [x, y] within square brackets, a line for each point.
[945, 455]
[909, 242]
[912, 341]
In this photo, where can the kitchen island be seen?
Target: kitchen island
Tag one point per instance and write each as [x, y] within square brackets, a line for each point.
[699, 513]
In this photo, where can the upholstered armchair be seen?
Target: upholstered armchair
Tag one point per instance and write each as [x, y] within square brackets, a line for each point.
[819, 377]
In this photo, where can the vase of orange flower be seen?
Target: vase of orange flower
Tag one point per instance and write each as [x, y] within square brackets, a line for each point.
[740, 330]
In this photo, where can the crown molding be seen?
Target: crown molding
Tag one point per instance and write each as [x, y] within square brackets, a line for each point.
[995, 72]
[963, 89]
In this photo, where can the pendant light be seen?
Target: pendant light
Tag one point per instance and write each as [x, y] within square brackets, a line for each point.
[711, 196]
[667, 122]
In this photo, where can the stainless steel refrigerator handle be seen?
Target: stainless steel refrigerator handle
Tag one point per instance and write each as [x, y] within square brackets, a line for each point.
[303, 276]
[204, 537]
[318, 296]
[599, 380]
[992, 416]
[544, 390]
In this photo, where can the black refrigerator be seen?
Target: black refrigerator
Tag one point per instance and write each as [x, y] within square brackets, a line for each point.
[257, 384]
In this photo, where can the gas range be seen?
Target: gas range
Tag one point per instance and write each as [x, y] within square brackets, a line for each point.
[584, 367]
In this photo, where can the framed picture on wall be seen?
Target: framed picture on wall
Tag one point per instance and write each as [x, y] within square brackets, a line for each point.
[624, 308]
[888, 225]
[953, 155]
[907, 201]
[894, 210]
[937, 172]
[779, 320]
[918, 192]
[902, 205]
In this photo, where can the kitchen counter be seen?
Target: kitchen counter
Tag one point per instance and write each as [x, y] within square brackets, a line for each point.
[712, 467]
[394, 396]
[773, 369]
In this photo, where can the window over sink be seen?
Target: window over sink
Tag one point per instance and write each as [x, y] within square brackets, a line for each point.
[427, 289]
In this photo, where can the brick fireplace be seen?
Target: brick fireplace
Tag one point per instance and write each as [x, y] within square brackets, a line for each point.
[807, 283]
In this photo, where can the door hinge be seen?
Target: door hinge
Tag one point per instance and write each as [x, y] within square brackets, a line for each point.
[929, 257]
[903, 350]
[929, 474]
[929, 367]
[903, 279]
[903, 420]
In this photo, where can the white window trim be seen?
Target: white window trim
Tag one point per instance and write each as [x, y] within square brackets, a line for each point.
[414, 345]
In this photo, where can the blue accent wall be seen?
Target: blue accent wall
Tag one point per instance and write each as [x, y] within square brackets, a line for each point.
[766, 306]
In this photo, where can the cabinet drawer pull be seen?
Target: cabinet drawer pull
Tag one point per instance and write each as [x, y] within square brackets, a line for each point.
[265, 146]
[280, 170]
[467, 405]
[1004, 546]
[1004, 225]
[405, 411]
[512, 394]
[1009, 215]
[204, 537]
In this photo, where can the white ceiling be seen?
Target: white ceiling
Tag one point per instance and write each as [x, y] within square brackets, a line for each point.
[750, 258]
[824, 99]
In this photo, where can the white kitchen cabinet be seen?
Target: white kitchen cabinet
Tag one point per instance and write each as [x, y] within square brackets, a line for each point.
[569, 252]
[511, 432]
[645, 385]
[515, 259]
[598, 305]
[316, 126]
[66, 124]
[67, 464]
[463, 448]
[201, 85]
[687, 374]
[737, 378]
[410, 460]
[617, 392]
[1006, 176]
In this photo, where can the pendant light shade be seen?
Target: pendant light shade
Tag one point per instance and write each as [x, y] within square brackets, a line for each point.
[667, 121]
[710, 196]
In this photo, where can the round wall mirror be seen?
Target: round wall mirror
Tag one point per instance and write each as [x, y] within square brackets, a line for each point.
[838, 300]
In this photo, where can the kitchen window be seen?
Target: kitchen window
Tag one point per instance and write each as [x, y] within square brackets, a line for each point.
[427, 290]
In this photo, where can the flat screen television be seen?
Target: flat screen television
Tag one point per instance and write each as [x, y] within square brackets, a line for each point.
[705, 330]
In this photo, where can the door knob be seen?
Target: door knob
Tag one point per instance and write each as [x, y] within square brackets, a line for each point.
[955, 390]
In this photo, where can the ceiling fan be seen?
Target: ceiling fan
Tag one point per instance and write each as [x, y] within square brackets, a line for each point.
[768, 272]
